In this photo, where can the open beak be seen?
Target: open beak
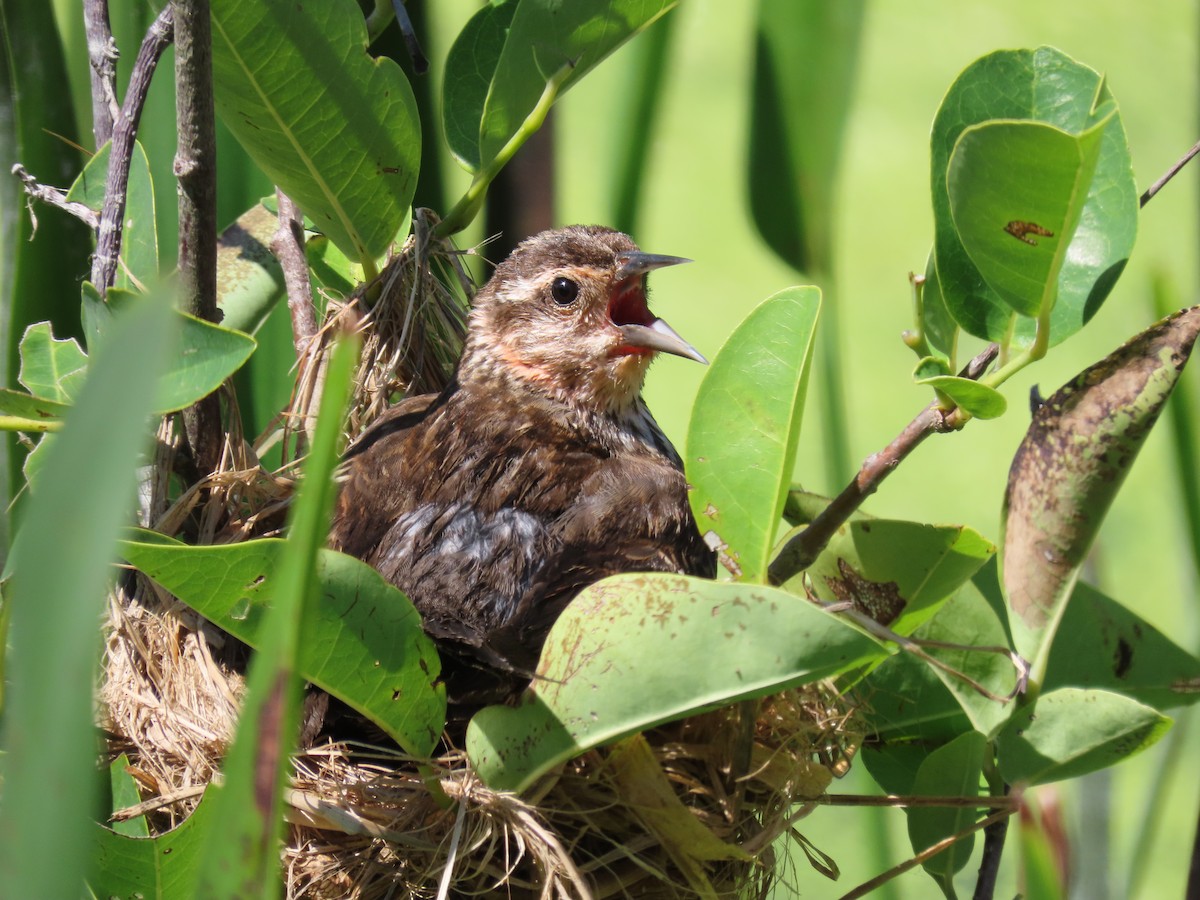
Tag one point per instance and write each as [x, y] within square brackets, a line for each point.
[632, 317]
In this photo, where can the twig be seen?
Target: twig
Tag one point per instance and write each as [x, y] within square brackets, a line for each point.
[108, 239]
[800, 552]
[1169, 174]
[989, 865]
[867, 886]
[287, 243]
[54, 197]
[288, 246]
[196, 172]
[893, 801]
[102, 54]
[419, 63]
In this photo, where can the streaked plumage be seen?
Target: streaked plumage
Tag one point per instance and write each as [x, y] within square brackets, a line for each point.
[539, 469]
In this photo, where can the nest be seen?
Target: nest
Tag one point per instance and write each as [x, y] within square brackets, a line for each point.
[693, 808]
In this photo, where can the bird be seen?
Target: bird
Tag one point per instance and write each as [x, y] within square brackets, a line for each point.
[538, 470]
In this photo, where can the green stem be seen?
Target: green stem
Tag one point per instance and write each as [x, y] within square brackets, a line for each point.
[1036, 350]
[18, 423]
[468, 206]
[378, 19]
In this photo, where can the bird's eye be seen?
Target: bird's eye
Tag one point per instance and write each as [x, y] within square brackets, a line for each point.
[564, 291]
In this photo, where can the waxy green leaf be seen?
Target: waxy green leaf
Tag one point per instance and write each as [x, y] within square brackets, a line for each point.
[362, 642]
[548, 39]
[1101, 644]
[952, 770]
[1073, 460]
[1046, 86]
[1071, 731]
[51, 368]
[898, 572]
[612, 665]
[745, 425]
[155, 868]
[1017, 190]
[470, 68]
[978, 399]
[337, 130]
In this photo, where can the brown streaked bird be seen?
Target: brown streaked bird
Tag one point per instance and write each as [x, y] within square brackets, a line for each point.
[539, 469]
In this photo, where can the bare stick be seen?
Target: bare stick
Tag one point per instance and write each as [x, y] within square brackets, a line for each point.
[800, 552]
[102, 54]
[287, 243]
[867, 886]
[54, 197]
[196, 173]
[108, 240]
[1169, 174]
[989, 865]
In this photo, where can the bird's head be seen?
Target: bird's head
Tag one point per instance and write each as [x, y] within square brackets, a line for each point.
[567, 314]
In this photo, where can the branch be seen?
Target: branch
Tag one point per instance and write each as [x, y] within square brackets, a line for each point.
[800, 552]
[196, 173]
[287, 243]
[108, 240]
[54, 197]
[102, 54]
[989, 865]
[1169, 174]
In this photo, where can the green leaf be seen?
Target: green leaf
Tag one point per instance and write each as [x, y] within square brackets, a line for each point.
[930, 367]
[805, 60]
[332, 268]
[978, 399]
[897, 572]
[1101, 644]
[1017, 190]
[49, 367]
[745, 424]
[1070, 732]
[937, 325]
[950, 771]
[337, 130]
[470, 68]
[549, 39]
[60, 563]
[208, 355]
[27, 406]
[155, 868]
[139, 236]
[894, 764]
[1072, 462]
[241, 856]
[124, 791]
[1042, 85]
[611, 666]
[362, 642]
[965, 622]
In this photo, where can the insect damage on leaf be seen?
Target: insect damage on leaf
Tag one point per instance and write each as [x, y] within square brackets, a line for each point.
[1021, 231]
[880, 600]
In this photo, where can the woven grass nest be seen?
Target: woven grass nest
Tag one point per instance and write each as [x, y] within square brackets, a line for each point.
[687, 809]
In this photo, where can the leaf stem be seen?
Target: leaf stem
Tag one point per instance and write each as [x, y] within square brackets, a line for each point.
[469, 204]
[19, 423]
